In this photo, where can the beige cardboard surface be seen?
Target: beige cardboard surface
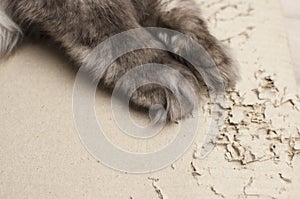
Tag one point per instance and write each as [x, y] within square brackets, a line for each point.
[291, 11]
[257, 153]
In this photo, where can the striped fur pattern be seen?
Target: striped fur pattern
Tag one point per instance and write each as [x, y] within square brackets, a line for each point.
[80, 25]
[10, 33]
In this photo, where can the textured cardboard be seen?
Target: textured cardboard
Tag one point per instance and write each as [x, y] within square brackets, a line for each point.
[257, 152]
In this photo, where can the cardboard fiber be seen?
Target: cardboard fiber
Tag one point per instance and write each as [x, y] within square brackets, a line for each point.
[257, 152]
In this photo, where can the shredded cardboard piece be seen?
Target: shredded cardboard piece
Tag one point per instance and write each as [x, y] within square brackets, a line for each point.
[216, 193]
[287, 180]
[157, 189]
[250, 119]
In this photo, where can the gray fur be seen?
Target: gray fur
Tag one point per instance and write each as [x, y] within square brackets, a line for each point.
[80, 25]
[10, 33]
